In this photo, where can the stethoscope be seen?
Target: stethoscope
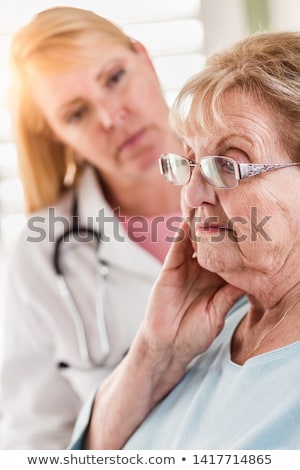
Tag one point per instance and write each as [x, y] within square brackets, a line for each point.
[86, 234]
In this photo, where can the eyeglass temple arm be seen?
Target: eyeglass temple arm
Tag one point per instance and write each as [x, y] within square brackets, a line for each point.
[247, 170]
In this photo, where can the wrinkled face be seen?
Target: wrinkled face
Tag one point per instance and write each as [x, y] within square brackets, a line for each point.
[111, 113]
[254, 226]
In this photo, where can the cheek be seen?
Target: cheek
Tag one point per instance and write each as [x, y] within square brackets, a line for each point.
[146, 99]
[91, 146]
[248, 211]
[261, 240]
[250, 215]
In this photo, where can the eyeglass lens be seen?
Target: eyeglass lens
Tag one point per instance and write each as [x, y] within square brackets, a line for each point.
[218, 171]
[175, 168]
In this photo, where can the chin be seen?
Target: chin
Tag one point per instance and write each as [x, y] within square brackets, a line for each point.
[214, 260]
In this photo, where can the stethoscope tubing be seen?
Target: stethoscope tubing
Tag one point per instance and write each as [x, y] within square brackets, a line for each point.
[86, 234]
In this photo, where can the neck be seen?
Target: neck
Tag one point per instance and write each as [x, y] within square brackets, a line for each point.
[264, 330]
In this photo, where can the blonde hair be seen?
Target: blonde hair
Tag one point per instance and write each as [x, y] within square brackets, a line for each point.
[265, 65]
[55, 40]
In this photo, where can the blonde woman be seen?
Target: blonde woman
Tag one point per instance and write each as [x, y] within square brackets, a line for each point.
[90, 122]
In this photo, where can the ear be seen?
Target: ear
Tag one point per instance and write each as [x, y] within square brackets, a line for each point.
[138, 47]
[141, 49]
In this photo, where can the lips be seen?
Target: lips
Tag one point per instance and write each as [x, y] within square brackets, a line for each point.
[132, 140]
[209, 226]
[213, 228]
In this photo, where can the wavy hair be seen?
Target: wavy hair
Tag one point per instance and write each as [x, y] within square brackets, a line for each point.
[265, 65]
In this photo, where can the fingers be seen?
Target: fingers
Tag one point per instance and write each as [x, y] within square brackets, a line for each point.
[181, 249]
[225, 299]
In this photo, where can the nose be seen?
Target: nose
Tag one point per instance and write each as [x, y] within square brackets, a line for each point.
[197, 192]
[111, 114]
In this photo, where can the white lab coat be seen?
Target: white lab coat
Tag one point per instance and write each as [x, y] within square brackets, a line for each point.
[40, 399]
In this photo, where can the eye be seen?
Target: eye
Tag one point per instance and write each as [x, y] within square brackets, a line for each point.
[228, 166]
[76, 115]
[116, 77]
[224, 165]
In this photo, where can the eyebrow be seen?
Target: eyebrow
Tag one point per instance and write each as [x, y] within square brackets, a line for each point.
[222, 141]
[68, 105]
[78, 100]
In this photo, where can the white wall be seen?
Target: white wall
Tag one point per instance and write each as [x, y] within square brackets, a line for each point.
[225, 20]
[285, 14]
[224, 23]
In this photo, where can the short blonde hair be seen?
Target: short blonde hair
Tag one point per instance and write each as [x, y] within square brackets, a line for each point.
[265, 65]
[56, 39]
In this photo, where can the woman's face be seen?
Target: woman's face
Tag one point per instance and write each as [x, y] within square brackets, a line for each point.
[255, 226]
[112, 113]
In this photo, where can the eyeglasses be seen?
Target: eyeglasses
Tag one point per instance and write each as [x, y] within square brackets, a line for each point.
[220, 172]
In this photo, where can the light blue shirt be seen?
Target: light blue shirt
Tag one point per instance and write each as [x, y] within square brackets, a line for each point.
[222, 405]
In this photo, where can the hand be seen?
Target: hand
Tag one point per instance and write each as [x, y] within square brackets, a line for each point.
[187, 307]
[186, 311]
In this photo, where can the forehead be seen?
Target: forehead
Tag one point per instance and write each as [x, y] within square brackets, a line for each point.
[64, 60]
[239, 114]
[67, 82]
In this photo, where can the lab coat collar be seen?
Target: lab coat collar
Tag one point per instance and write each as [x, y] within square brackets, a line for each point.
[116, 248]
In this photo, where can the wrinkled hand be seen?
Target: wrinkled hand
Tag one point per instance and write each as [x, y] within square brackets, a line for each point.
[188, 305]
[186, 312]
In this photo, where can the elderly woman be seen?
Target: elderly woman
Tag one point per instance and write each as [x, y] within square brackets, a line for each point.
[239, 120]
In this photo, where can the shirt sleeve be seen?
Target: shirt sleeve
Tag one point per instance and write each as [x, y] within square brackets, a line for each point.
[82, 424]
